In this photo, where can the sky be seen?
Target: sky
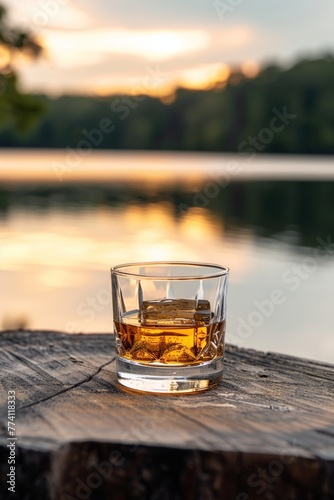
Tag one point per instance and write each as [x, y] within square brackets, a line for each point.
[155, 45]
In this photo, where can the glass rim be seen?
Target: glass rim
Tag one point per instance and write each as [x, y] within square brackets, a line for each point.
[219, 270]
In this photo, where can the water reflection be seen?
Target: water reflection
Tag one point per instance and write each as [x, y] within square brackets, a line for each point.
[289, 210]
[57, 244]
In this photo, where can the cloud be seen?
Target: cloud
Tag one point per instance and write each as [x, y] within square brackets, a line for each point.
[154, 14]
[149, 45]
[90, 44]
[119, 59]
[36, 15]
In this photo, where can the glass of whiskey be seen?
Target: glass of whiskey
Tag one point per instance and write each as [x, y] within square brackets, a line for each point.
[169, 325]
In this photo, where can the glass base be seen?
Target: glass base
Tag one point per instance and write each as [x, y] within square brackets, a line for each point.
[169, 379]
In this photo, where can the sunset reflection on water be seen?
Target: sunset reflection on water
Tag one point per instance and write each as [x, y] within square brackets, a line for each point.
[52, 259]
[57, 243]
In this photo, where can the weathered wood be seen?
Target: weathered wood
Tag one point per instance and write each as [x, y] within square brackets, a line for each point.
[266, 432]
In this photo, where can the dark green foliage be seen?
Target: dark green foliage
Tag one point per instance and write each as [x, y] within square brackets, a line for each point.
[216, 120]
[18, 112]
[296, 212]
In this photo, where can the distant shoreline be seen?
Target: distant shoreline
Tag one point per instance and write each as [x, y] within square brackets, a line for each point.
[156, 167]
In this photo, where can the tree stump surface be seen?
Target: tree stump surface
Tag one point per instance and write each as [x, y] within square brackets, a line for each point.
[266, 432]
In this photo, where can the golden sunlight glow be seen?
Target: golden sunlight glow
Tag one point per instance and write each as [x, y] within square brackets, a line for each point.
[131, 86]
[61, 278]
[202, 77]
[5, 56]
[58, 257]
[53, 260]
[224, 72]
[151, 45]
[157, 215]
[105, 56]
[200, 222]
[139, 167]
[250, 69]
[205, 76]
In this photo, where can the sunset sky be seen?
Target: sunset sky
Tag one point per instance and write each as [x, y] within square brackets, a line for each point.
[111, 45]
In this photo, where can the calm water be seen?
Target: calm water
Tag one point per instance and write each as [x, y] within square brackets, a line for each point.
[58, 240]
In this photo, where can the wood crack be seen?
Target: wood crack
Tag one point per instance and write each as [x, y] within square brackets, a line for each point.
[159, 438]
[326, 432]
[66, 389]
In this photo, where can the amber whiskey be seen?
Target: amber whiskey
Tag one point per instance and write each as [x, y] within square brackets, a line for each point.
[170, 332]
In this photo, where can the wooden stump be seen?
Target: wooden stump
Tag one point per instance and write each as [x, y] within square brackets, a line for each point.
[266, 432]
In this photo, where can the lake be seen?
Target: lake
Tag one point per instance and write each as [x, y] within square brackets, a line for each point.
[65, 220]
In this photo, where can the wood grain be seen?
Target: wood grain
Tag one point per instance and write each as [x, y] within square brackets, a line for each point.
[266, 432]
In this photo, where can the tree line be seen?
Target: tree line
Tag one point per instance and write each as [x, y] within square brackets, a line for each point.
[282, 110]
[294, 212]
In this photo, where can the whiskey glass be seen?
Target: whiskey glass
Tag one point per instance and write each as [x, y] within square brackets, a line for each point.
[169, 325]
